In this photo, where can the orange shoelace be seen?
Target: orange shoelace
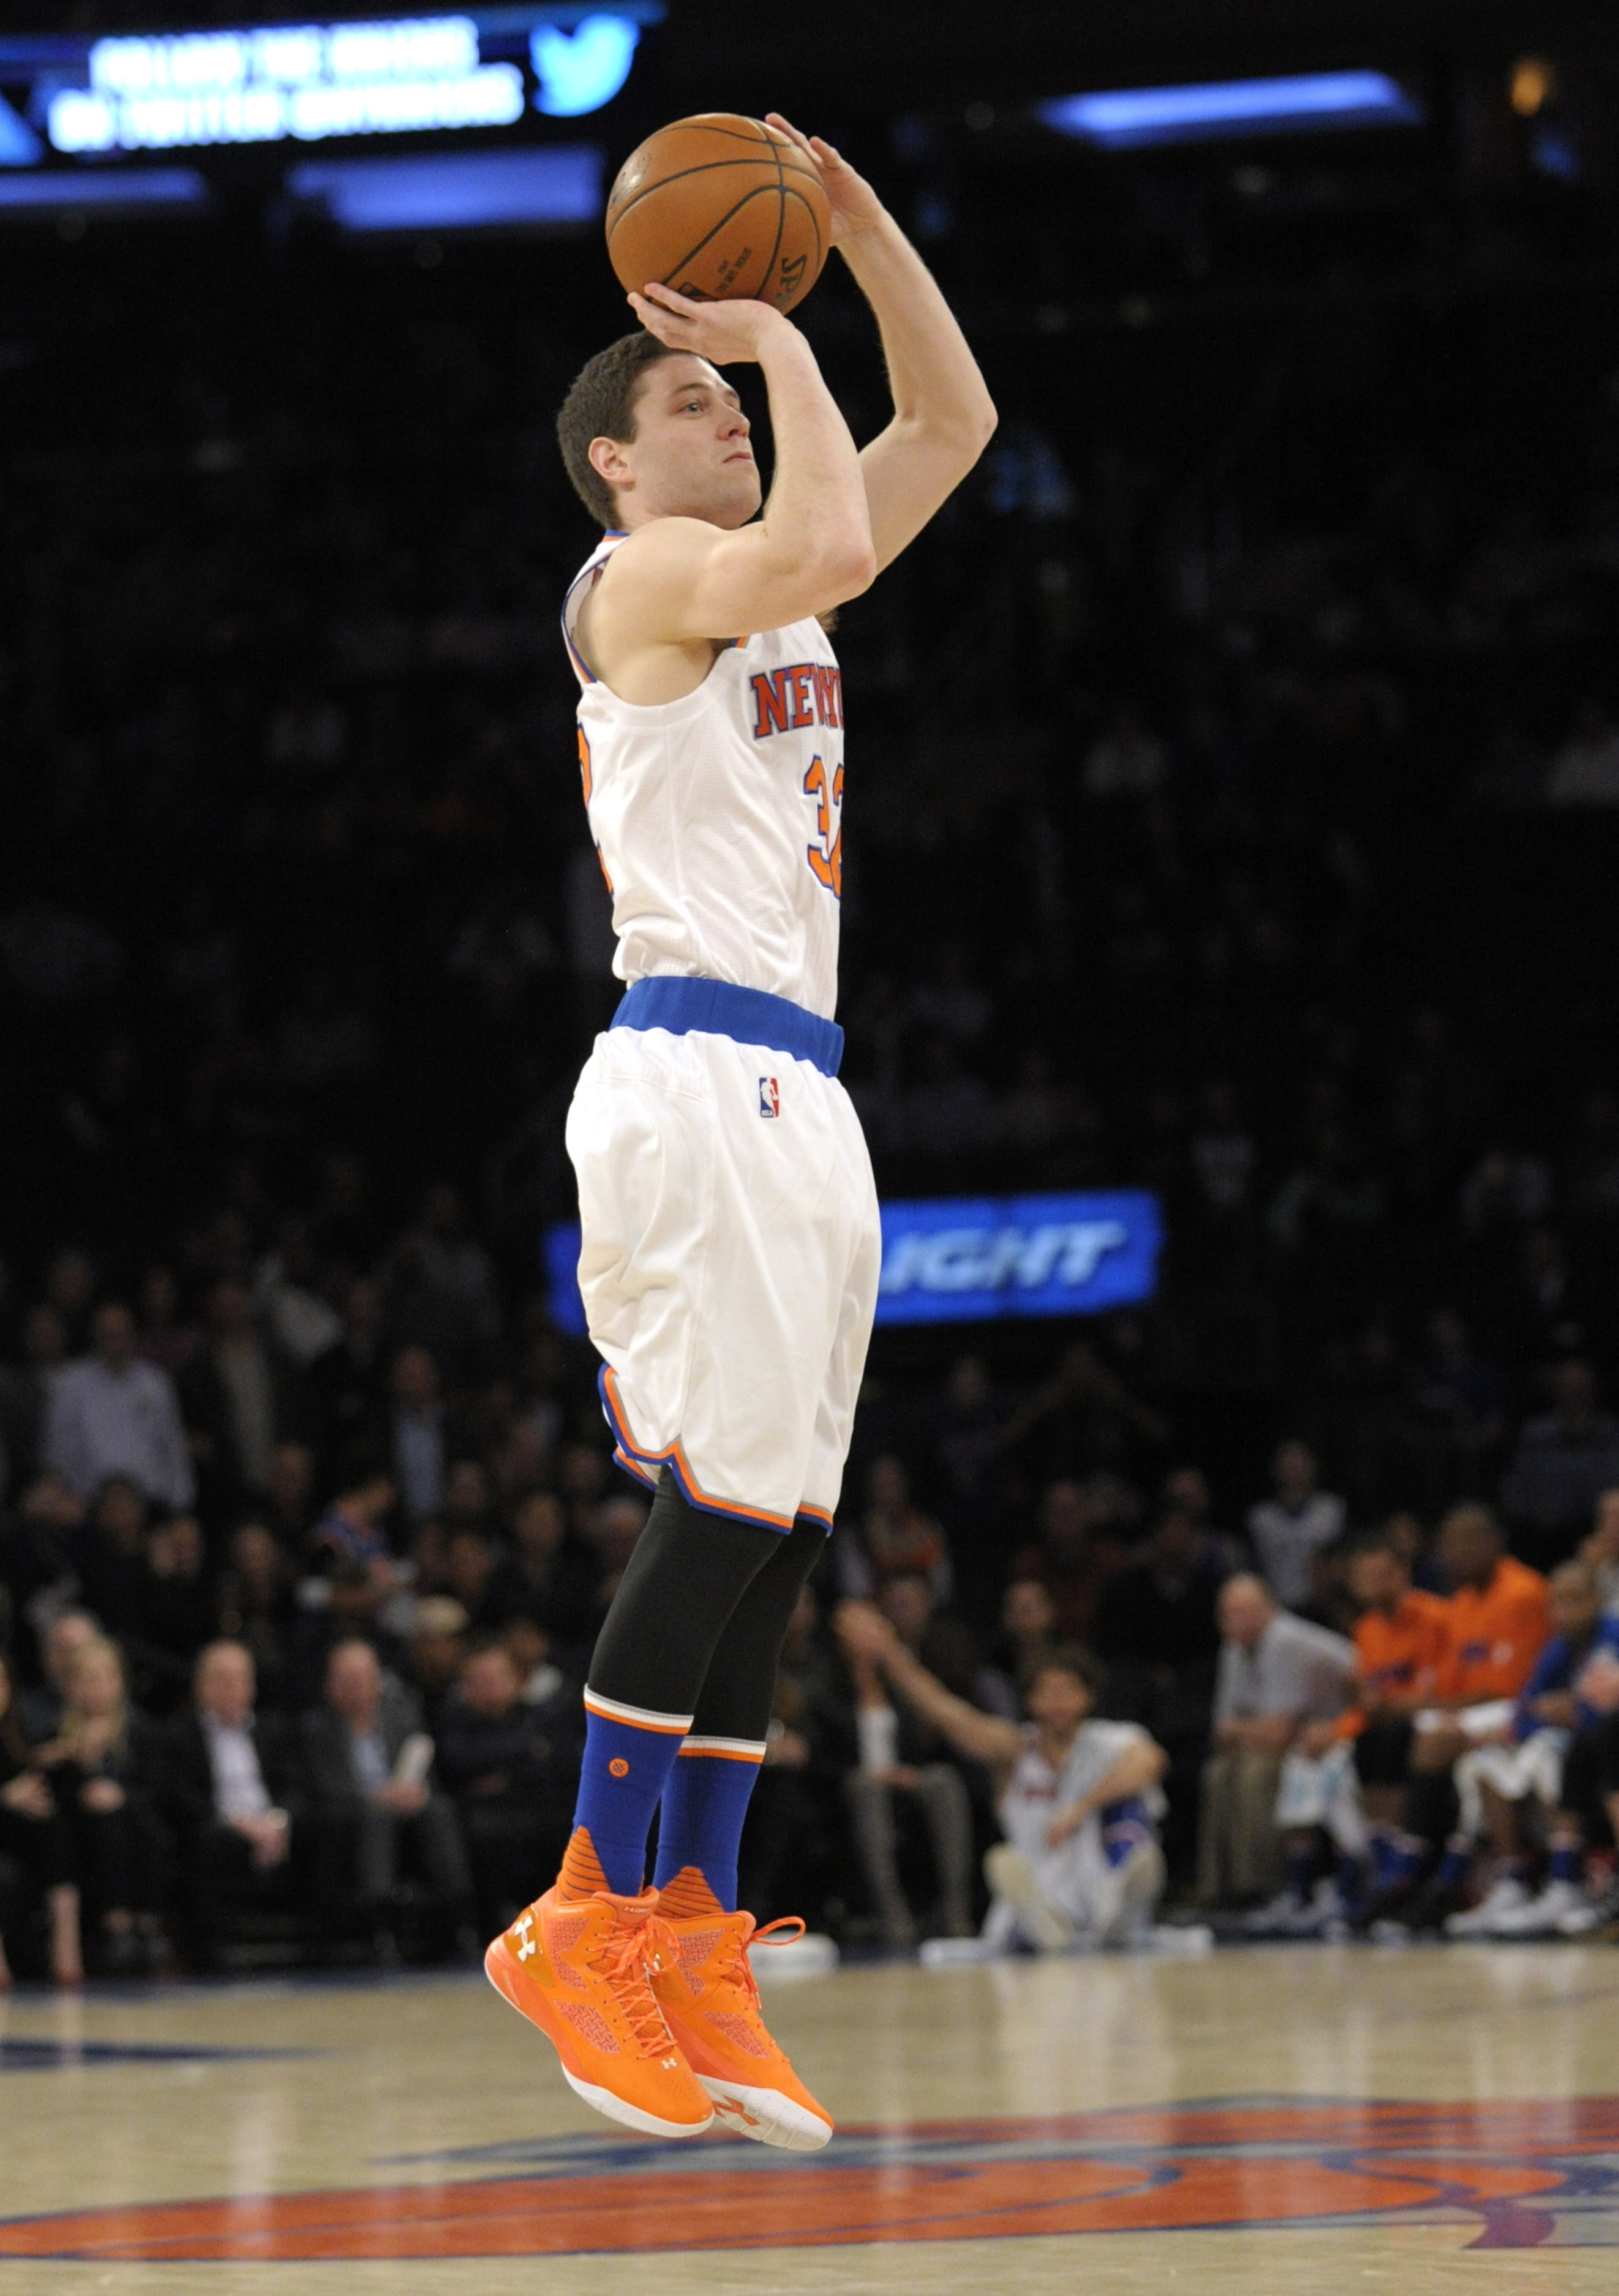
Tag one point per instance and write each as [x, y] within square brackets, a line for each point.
[627, 1958]
[738, 1971]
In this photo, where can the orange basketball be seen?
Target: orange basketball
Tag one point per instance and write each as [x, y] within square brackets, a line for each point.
[718, 207]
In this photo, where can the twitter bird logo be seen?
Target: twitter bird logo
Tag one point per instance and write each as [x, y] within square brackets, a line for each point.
[582, 70]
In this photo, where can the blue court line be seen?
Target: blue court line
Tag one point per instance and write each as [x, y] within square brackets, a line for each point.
[19, 2056]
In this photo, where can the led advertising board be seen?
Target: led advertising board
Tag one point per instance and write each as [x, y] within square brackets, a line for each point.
[487, 70]
[970, 1258]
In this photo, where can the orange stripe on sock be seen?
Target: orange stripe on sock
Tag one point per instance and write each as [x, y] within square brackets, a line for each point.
[673, 1729]
[581, 1874]
[687, 1896]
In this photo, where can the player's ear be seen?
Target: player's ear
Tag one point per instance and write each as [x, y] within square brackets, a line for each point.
[609, 461]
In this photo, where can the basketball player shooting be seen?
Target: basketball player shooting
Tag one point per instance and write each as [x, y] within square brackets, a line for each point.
[730, 1237]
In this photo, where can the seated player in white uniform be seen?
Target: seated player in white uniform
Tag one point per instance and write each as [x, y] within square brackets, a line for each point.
[730, 1238]
[1078, 1799]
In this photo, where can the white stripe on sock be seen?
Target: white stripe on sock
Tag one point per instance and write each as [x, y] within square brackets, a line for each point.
[642, 1715]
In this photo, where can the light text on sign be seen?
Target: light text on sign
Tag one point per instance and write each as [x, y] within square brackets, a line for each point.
[307, 82]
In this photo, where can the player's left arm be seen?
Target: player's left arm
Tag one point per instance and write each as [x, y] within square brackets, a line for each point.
[1139, 1767]
[943, 415]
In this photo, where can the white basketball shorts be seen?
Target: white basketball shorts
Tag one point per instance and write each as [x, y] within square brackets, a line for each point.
[729, 1265]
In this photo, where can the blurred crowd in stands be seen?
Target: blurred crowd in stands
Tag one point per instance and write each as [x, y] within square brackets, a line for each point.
[299, 1586]
[1230, 790]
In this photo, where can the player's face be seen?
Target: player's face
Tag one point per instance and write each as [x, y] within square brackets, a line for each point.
[1058, 1700]
[1375, 1581]
[690, 456]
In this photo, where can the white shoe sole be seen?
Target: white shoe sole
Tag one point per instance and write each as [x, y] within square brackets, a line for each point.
[498, 1966]
[960, 1953]
[765, 2115]
[630, 2116]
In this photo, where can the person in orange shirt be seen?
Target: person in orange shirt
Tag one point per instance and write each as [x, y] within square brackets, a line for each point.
[1343, 1784]
[1497, 1620]
[1500, 1618]
[1401, 1637]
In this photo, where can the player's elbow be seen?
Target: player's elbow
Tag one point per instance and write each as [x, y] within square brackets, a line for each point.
[846, 565]
[969, 430]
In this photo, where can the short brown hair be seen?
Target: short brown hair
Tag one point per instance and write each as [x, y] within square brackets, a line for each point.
[1065, 1657]
[601, 405]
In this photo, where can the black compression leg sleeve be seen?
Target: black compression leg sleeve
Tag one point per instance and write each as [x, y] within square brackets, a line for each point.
[736, 1695]
[684, 1581]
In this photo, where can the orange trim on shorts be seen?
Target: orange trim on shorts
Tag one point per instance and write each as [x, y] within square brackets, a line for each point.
[676, 1459]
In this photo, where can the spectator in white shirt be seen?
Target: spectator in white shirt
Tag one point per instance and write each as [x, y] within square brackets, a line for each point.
[1289, 1531]
[109, 1413]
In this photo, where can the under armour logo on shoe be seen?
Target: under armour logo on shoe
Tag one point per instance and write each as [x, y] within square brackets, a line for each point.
[528, 1948]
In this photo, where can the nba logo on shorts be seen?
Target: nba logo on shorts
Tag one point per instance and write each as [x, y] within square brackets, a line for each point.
[769, 1097]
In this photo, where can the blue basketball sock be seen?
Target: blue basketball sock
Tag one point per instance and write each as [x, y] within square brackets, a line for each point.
[700, 1828]
[1125, 1826]
[629, 1754]
[1454, 1864]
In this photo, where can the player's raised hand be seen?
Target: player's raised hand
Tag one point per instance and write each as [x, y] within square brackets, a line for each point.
[855, 206]
[724, 334]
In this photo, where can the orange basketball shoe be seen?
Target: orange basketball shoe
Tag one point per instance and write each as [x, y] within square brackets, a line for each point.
[705, 1988]
[581, 1970]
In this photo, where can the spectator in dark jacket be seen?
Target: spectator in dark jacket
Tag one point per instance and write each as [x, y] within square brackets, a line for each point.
[176, 1613]
[31, 1865]
[512, 1769]
[100, 1768]
[366, 1764]
[257, 1605]
[228, 1796]
[548, 1576]
[1564, 1462]
[112, 1555]
[240, 1395]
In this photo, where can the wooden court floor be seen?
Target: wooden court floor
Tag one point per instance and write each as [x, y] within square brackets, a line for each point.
[1280, 2119]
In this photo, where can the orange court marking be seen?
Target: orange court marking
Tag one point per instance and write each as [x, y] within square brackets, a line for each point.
[1518, 2170]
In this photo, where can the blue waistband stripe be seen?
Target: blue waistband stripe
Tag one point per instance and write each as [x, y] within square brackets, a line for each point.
[691, 1006]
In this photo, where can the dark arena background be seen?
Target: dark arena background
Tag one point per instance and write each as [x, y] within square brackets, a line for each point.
[1229, 964]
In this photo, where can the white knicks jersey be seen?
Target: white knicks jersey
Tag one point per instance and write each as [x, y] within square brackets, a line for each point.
[1035, 1792]
[718, 817]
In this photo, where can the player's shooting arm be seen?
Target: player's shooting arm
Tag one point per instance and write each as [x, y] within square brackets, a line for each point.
[866, 1634]
[812, 547]
[943, 415]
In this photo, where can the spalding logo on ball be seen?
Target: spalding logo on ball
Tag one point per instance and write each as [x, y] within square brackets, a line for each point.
[720, 207]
